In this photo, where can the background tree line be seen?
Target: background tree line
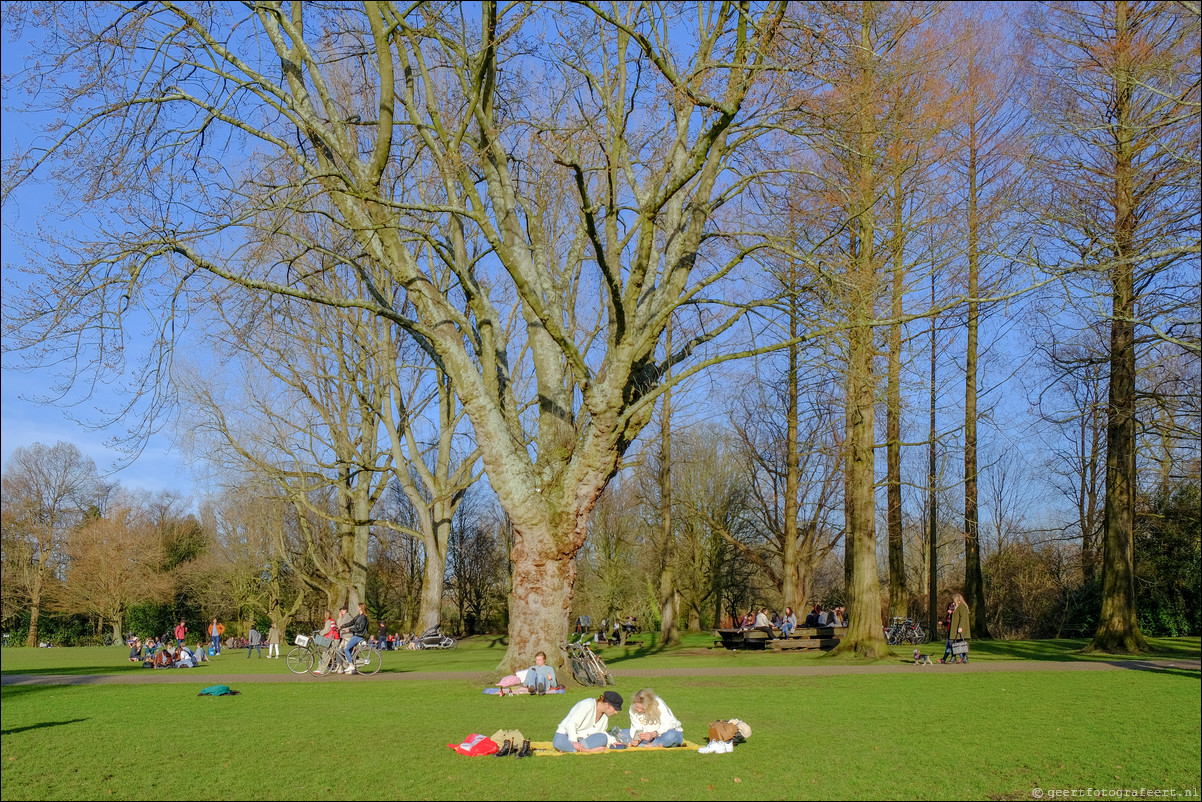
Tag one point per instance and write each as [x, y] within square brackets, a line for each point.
[513, 244]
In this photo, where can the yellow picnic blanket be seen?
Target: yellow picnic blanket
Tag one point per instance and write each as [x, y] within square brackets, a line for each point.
[546, 749]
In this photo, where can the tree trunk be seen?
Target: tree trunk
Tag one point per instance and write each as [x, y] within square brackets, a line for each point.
[932, 497]
[1118, 629]
[543, 580]
[899, 602]
[117, 635]
[974, 583]
[668, 633]
[791, 568]
[35, 612]
[864, 635]
[435, 569]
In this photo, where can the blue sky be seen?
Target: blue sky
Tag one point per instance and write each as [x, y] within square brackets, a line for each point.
[23, 419]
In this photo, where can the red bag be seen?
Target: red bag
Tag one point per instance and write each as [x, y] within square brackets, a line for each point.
[476, 745]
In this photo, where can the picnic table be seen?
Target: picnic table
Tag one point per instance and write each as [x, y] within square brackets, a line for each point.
[803, 638]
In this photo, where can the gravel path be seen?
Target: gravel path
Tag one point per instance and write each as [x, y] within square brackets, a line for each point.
[482, 677]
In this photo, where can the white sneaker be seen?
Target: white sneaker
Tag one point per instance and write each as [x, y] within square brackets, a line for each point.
[710, 748]
[727, 747]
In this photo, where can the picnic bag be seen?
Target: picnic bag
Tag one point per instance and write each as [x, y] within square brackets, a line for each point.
[476, 745]
[960, 647]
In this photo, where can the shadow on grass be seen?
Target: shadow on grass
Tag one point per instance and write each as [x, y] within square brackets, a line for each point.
[41, 725]
[1161, 668]
[75, 670]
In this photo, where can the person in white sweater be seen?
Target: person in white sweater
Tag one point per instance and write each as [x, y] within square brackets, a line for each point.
[584, 728]
[652, 722]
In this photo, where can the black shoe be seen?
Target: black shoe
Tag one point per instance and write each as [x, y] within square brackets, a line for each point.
[506, 749]
[525, 751]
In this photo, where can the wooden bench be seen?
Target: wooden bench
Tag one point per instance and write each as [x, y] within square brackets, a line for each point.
[803, 638]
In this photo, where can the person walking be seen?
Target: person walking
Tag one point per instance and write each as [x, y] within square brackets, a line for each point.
[180, 631]
[273, 642]
[255, 641]
[960, 629]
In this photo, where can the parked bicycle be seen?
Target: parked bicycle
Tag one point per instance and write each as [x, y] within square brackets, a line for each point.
[905, 630]
[587, 667]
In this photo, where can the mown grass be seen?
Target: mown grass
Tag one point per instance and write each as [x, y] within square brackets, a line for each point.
[482, 654]
[926, 735]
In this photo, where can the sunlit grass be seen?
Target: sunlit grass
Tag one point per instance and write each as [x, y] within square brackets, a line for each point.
[482, 654]
[927, 734]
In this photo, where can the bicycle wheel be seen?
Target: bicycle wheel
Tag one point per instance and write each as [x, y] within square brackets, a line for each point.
[600, 671]
[368, 660]
[579, 672]
[300, 660]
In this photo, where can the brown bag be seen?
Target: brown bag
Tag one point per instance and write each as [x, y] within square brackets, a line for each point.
[722, 731]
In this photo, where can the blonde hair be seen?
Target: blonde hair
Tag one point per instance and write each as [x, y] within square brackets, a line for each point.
[958, 599]
[650, 703]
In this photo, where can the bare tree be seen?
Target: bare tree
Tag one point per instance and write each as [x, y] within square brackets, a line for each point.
[47, 492]
[1118, 104]
[413, 128]
[113, 561]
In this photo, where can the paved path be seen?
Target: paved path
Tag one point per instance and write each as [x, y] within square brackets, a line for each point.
[482, 677]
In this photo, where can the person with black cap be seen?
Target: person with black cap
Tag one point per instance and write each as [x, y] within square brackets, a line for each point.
[584, 728]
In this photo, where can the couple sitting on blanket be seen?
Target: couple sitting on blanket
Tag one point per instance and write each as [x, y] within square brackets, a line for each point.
[651, 724]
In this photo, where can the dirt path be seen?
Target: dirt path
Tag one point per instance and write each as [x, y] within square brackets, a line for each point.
[482, 677]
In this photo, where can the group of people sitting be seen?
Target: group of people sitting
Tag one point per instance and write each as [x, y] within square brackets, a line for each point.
[786, 621]
[586, 727]
[157, 654]
[386, 643]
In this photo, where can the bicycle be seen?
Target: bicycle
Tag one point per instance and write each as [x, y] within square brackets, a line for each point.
[307, 654]
[366, 660]
[587, 667]
[905, 630]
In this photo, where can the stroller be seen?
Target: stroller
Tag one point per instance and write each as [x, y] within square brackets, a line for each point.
[433, 638]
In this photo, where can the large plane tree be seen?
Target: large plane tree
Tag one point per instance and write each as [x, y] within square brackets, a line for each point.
[566, 165]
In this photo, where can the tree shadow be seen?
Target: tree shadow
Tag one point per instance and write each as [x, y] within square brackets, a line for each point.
[41, 725]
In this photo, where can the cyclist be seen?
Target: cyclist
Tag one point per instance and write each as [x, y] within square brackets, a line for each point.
[354, 633]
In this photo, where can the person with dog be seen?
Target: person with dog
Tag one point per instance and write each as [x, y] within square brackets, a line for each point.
[960, 629]
[652, 722]
[584, 728]
[947, 624]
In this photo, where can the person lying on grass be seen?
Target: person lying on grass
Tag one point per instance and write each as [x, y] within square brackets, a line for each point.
[652, 722]
[584, 728]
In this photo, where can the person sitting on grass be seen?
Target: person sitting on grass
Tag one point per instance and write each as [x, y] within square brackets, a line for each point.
[184, 658]
[541, 677]
[652, 722]
[584, 728]
[164, 658]
[135, 651]
[201, 653]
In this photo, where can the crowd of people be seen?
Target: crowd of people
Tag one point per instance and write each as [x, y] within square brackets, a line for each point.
[786, 620]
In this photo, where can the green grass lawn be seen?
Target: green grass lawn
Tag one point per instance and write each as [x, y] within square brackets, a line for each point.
[484, 653]
[927, 734]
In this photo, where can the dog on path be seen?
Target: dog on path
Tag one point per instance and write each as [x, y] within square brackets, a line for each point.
[921, 659]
